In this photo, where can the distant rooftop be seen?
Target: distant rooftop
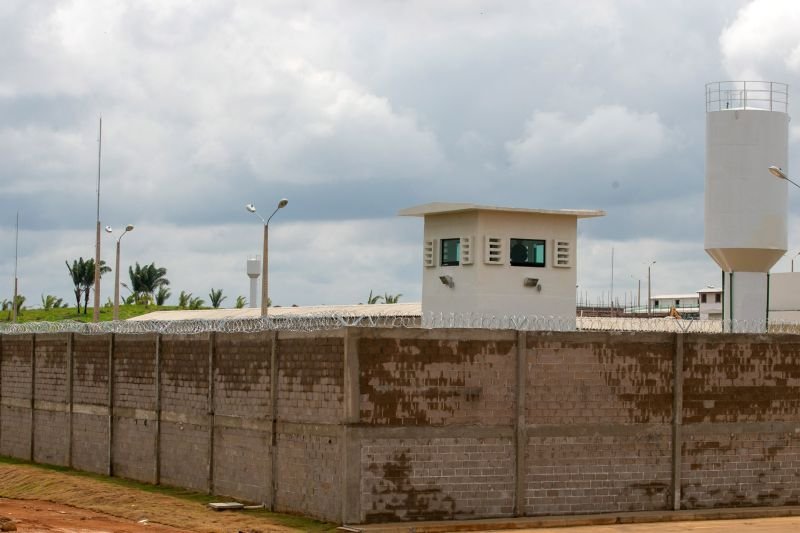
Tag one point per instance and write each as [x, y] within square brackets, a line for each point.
[376, 310]
[436, 208]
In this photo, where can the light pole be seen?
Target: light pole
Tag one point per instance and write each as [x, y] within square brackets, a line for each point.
[779, 173]
[128, 228]
[265, 268]
[96, 309]
[649, 302]
[14, 303]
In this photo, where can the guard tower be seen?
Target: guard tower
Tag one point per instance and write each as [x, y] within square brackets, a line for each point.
[499, 261]
[747, 131]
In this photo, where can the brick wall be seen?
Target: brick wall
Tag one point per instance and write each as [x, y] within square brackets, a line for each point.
[90, 402]
[185, 435]
[437, 479]
[309, 470]
[741, 408]
[15, 397]
[135, 420]
[372, 424]
[600, 411]
[242, 407]
[51, 419]
[310, 378]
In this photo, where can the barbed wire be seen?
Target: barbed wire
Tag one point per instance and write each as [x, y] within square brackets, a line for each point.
[320, 322]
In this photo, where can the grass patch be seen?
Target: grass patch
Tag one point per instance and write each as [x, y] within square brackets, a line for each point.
[133, 500]
[69, 313]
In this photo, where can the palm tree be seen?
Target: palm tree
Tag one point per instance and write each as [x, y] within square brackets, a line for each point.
[196, 303]
[50, 302]
[76, 273]
[87, 281]
[391, 298]
[146, 280]
[241, 301]
[183, 299]
[373, 299]
[162, 295]
[216, 297]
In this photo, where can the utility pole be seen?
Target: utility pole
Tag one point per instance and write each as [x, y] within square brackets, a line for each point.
[14, 303]
[96, 310]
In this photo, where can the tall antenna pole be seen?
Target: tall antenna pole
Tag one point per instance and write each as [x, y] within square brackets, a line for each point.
[16, 280]
[96, 310]
[613, 311]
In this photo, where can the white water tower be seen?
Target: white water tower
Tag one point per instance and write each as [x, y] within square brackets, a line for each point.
[253, 272]
[747, 131]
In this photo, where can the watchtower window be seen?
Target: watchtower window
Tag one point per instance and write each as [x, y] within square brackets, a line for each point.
[451, 252]
[527, 252]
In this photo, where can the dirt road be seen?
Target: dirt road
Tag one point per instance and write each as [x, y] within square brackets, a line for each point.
[32, 515]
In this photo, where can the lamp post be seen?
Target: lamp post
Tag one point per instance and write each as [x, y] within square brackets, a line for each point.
[779, 173]
[16, 279]
[649, 301]
[96, 307]
[128, 228]
[265, 268]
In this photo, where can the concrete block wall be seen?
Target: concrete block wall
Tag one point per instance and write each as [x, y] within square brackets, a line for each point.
[90, 400]
[243, 416]
[741, 429]
[16, 397]
[368, 424]
[134, 405]
[598, 422]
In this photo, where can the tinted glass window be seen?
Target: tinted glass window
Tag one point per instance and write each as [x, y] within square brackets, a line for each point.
[451, 252]
[527, 252]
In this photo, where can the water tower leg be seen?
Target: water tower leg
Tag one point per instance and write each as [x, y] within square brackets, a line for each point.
[746, 302]
[253, 293]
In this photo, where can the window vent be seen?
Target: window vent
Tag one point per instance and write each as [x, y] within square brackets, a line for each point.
[429, 254]
[466, 250]
[493, 252]
[562, 254]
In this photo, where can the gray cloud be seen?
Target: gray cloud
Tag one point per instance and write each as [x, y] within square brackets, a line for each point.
[354, 110]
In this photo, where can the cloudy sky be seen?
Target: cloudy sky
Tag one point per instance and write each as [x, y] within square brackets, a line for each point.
[354, 110]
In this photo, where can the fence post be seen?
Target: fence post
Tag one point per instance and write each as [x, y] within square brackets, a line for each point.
[33, 393]
[212, 337]
[2, 338]
[70, 366]
[158, 411]
[273, 406]
[351, 438]
[520, 430]
[677, 420]
[111, 404]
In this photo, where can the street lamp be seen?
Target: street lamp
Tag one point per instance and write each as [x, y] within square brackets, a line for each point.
[128, 228]
[649, 302]
[779, 173]
[264, 268]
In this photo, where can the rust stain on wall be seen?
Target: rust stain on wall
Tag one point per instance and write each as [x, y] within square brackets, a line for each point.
[399, 497]
[432, 382]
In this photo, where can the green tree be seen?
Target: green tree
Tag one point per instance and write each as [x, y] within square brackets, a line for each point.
[196, 303]
[216, 297]
[51, 302]
[87, 281]
[147, 279]
[162, 295]
[373, 299]
[391, 298]
[183, 299]
[77, 274]
[241, 301]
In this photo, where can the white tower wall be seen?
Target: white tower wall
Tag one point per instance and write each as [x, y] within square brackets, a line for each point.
[746, 209]
[253, 272]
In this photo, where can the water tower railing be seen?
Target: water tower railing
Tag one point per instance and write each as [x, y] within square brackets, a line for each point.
[732, 95]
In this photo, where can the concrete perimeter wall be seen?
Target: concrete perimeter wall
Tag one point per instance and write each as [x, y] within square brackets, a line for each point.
[367, 425]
